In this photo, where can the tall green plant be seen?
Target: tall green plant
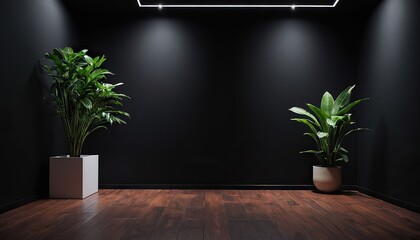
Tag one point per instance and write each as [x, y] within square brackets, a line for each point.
[329, 124]
[84, 102]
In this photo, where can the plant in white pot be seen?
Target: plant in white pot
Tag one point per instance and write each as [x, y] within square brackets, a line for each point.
[85, 104]
[329, 124]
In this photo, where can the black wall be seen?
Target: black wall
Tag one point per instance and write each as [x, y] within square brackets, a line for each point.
[28, 30]
[389, 158]
[210, 91]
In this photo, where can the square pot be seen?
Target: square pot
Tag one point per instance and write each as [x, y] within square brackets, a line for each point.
[73, 177]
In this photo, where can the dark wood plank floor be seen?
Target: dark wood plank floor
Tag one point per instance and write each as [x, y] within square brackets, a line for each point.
[211, 214]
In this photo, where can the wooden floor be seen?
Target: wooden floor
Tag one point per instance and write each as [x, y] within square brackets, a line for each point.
[211, 214]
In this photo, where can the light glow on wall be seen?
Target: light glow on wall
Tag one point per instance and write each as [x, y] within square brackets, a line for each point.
[292, 6]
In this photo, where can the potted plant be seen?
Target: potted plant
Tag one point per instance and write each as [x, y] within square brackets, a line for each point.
[85, 104]
[329, 124]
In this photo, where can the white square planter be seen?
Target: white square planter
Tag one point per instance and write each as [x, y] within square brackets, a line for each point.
[73, 177]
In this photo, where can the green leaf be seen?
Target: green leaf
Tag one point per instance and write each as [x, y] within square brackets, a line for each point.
[307, 123]
[332, 121]
[302, 111]
[342, 100]
[343, 158]
[350, 106]
[356, 130]
[322, 134]
[86, 102]
[343, 150]
[311, 151]
[327, 103]
[320, 114]
[88, 59]
[314, 137]
[82, 100]
[118, 84]
[96, 128]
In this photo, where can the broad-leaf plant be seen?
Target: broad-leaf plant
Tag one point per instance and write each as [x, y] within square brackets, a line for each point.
[83, 100]
[329, 124]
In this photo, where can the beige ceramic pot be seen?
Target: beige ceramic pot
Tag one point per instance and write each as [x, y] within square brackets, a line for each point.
[327, 179]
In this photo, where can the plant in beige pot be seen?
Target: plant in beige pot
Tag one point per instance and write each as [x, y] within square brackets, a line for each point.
[329, 124]
[85, 104]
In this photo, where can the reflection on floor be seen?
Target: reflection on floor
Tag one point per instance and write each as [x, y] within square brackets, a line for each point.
[211, 214]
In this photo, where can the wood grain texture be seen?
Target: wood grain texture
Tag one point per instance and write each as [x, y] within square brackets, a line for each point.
[211, 214]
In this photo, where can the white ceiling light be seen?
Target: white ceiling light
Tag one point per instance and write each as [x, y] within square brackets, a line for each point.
[292, 6]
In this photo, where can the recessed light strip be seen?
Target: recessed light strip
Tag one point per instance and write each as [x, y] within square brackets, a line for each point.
[293, 6]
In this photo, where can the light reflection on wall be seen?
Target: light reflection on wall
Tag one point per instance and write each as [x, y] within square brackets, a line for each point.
[167, 62]
[295, 52]
[54, 27]
[388, 38]
[165, 52]
[389, 76]
[290, 58]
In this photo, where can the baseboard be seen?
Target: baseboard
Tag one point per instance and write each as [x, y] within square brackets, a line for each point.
[18, 203]
[207, 186]
[216, 186]
[394, 201]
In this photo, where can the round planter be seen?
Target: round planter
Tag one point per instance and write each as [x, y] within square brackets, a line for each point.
[327, 179]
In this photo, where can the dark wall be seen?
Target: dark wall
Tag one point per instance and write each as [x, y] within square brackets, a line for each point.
[28, 30]
[388, 159]
[210, 91]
